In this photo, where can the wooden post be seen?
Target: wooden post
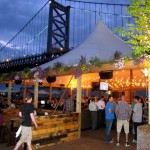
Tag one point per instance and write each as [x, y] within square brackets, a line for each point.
[147, 65]
[78, 101]
[131, 88]
[36, 89]
[87, 92]
[9, 92]
[24, 90]
[50, 92]
[71, 92]
[149, 95]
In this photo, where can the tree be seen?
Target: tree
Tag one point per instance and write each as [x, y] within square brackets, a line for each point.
[138, 33]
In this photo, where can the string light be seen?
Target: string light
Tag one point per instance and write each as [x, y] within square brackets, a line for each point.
[120, 81]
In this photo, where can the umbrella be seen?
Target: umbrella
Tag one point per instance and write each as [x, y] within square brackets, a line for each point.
[43, 92]
[6, 90]
[55, 92]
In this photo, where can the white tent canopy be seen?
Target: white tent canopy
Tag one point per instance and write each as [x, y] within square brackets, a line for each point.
[101, 43]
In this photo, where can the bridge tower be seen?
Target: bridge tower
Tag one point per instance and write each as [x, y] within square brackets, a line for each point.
[58, 29]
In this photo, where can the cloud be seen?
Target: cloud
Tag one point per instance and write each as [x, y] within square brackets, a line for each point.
[15, 14]
[11, 46]
[2, 43]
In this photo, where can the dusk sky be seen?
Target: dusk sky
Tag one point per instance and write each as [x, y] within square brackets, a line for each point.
[15, 14]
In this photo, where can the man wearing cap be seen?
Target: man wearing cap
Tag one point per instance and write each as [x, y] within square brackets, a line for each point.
[27, 114]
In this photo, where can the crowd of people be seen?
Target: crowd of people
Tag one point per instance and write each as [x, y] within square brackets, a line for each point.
[121, 113]
[66, 104]
[105, 113]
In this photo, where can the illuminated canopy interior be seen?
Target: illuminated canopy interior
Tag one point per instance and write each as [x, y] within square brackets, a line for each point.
[122, 80]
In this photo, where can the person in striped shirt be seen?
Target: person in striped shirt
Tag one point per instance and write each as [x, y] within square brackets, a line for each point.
[123, 114]
[69, 104]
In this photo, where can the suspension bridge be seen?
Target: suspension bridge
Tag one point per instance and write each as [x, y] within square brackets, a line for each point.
[58, 27]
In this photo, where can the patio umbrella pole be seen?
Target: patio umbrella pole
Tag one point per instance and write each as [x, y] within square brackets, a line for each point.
[9, 92]
[50, 92]
[24, 90]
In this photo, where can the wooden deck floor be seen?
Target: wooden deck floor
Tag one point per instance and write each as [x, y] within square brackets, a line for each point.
[90, 140]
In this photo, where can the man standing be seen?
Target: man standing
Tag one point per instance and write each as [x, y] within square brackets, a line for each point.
[101, 112]
[69, 104]
[123, 114]
[109, 115]
[27, 114]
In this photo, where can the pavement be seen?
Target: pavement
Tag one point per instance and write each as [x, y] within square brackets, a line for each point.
[90, 140]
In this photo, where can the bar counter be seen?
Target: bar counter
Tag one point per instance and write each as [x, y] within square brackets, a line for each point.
[54, 129]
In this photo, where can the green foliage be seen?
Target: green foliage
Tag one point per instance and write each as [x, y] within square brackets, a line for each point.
[126, 59]
[9, 76]
[1, 77]
[138, 33]
[83, 65]
[95, 61]
[63, 69]
[26, 73]
[57, 65]
[47, 70]
[60, 68]
[111, 61]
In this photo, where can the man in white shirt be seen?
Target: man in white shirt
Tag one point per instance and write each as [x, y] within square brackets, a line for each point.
[101, 112]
